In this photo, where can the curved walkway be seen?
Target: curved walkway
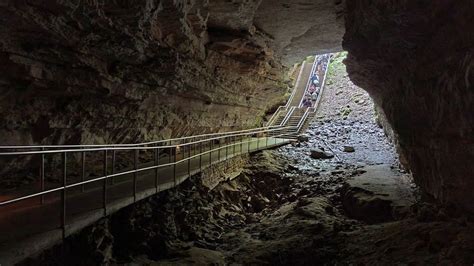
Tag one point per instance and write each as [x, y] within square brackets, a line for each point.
[37, 220]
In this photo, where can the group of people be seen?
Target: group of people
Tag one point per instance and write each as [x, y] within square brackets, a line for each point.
[316, 79]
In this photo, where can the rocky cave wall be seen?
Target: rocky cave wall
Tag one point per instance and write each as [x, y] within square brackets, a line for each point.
[415, 58]
[128, 71]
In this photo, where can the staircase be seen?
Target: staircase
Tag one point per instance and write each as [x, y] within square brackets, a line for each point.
[280, 117]
[308, 119]
[293, 121]
[293, 116]
[301, 84]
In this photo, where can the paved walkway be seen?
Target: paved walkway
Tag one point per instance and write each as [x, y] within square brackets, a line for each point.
[28, 227]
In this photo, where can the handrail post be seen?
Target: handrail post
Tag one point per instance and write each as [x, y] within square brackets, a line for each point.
[104, 191]
[135, 174]
[258, 141]
[241, 144]
[63, 197]
[200, 156]
[112, 181]
[233, 145]
[174, 165]
[210, 152]
[266, 140]
[83, 168]
[248, 143]
[219, 150]
[170, 155]
[157, 163]
[226, 153]
[189, 159]
[42, 176]
[226, 149]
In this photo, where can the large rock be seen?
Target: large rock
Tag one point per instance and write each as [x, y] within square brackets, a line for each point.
[379, 194]
[348, 149]
[320, 154]
[303, 138]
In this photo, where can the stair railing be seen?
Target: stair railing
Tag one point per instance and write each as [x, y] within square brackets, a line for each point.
[309, 81]
[293, 93]
[288, 115]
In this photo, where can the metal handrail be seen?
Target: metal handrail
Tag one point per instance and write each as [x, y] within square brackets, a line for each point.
[288, 115]
[296, 85]
[107, 176]
[303, 120]
[309, 81]
[298, 79]
[112, 147]
[80, 146]
[323, 83]
[275, 115]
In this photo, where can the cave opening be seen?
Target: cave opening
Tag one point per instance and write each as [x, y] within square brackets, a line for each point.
[200, 132]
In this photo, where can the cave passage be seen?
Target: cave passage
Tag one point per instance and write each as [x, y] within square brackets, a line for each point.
[201, 132]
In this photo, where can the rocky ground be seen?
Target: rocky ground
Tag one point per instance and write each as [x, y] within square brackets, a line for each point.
[337, 197]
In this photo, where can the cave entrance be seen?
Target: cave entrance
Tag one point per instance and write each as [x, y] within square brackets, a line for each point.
[345, 118]
[345, 139]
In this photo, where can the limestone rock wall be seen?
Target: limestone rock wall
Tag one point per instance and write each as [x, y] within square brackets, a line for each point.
[299, 28]
[129, 71]
[415, 58]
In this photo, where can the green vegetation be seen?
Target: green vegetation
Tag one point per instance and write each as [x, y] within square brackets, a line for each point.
[335, 66]
[345, 111]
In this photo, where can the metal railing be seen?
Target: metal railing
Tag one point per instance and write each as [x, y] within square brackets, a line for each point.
[288, 115]
[298, 80]
[193, 151]
[183, 139]
[323, 83]
[310, 110]
[293, 93]
[313, 67]
[275, 115]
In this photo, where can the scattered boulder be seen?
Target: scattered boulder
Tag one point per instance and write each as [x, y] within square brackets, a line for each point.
[349, 149]
[365, 205]
[320, 154]
[377, 195]
[303, 138]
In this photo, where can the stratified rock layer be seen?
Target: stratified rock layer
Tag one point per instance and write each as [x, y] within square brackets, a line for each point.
[415, 58]
[299, 28]
[128, 71]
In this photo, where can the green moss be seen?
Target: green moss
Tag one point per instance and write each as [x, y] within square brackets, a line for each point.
[345, 111]
[336, 65]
